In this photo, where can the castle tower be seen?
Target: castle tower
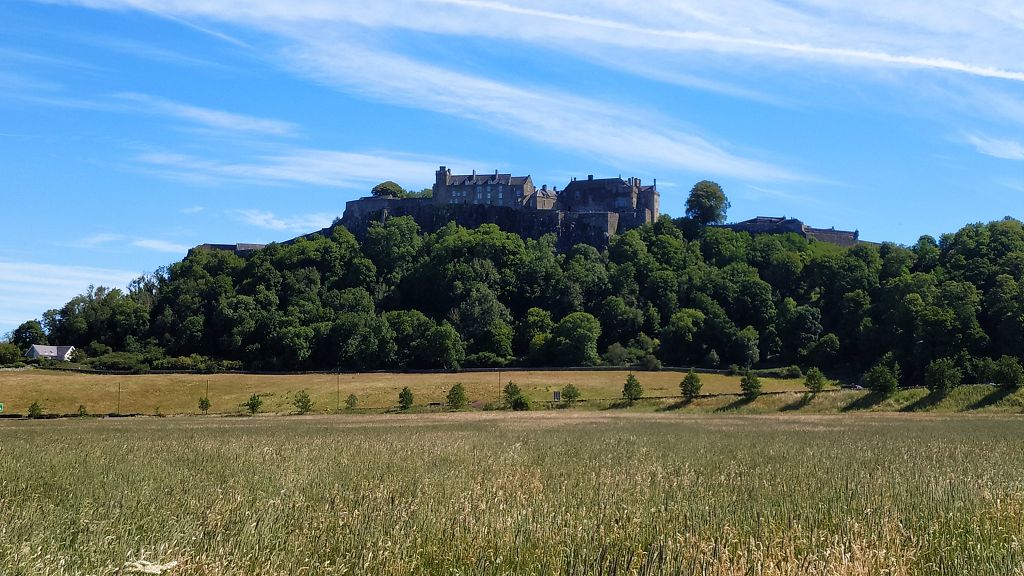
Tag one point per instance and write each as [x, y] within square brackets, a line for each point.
[442, 181]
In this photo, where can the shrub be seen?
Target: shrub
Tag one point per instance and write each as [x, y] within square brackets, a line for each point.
[751, 385]
[1008, 371]
[457, 397]
[883, 377]
[9, 353]
[82, 412]
[405, 398]
[650, 363]
[520, 403]
[302, 402]
[120, 361]
[791, 372]
[204, 404]
[570, 393]
[511, 392]
[712, 359]
[690, 386]
[733, 370]
[351, 401]
[35, 410]
[632, 390]
[942, 375]
[254, 403]
[815, 380]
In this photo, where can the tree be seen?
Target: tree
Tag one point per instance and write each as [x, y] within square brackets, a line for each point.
[302, 402]
[570, 394]
[351, 401]
[204, 404]
[632, 390]
[511, 392]
[942, 376]
[707, 203]
[881, 379]
[388, 189]
[814, 380]
[254, 403]
[690, 386]
[27, 334]
[9, 353]
[35, 410]
[750, 384]
[1009, 372]
[574, 340]
[457, 397]
[405, 398]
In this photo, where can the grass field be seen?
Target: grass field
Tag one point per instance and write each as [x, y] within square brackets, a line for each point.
[570, 492]
[63, 392]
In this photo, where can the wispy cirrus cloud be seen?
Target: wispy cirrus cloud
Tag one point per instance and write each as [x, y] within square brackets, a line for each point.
[208, 117]
[160, 245]
[297, 223]
[997, 147]
[108, 240]
[27, 289]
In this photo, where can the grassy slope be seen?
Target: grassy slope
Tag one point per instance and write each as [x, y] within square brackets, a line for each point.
[63, 392]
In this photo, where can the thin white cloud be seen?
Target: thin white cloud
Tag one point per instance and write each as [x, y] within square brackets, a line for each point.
[298, 223]
[297, 166]
[997, 148]
[30, 288]
[160, 245]
[217, 119]
[192, 210]
[100, 239]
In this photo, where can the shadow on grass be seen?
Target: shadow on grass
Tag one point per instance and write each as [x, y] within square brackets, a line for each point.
[798, 404]
[997, 395]
[865, 402]
[736, 404]
[924, 403]
[620, 404]
[676, 405]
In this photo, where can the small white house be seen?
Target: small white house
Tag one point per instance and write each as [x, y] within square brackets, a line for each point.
[62, 353]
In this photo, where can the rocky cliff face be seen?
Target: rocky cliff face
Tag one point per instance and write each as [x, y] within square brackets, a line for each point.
[594, 228]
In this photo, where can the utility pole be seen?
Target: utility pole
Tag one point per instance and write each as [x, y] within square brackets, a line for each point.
[499, 385]
[118, 397]
[337, 392]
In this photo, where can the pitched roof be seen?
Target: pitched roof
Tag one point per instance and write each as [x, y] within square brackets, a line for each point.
[484, 179]
[44, 350]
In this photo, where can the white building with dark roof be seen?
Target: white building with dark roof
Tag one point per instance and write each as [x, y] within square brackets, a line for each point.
[61, 353]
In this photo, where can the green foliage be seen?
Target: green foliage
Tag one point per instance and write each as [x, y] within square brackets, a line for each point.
[511, 392]
[35, 410]
[405, 398]
[881, 379]
[750, 384]
[690, 385]
[27, 334]
[351, 401]
[942, 376]
[253, 404]
[204, 405]
[302, 402]
[707, 203]
[456, 397]
[520, 403]
[9, 353]
[632, 390]
[814, 381]
[82, 412]
[570, 393]
[388, 189]
[1009, 372]
[791, 372]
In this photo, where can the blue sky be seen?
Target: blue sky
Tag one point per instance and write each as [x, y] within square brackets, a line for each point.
[131, 130]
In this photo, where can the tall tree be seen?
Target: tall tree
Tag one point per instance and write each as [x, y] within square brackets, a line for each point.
[707, 203]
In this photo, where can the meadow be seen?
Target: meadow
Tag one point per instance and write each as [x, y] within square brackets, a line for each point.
[63, 392]
[570, 492]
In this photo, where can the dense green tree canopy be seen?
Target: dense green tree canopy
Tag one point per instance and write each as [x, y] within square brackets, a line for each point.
[707, 203]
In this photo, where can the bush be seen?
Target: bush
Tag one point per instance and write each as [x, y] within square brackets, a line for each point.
[650, 363]
[9, 353]
[457, 397]
[351, 401]
[751, 385]
[254, 403]
[690, 386]
[570, 393]
[880, 379]
[302, 402]
[35, 410]
[485, 360]
[82, 412]
[405, 398]
[632, 390]
[942, 375]
[791, 372]
[204, 404]
[511, 392]
[520, 403]
[120, 361]
[733, 370]
[1008, 371]
[815, 380]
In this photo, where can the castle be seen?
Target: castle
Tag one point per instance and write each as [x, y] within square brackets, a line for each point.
[587, 211]
[782, 225]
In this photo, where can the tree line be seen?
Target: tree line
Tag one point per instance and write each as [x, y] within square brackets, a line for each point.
[679, 292]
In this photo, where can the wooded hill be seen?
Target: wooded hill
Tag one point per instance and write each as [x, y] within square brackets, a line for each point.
[671, 292]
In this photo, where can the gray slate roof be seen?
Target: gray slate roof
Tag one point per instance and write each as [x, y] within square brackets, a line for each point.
[43, 350]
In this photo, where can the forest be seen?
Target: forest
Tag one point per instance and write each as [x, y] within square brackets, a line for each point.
[675, 292]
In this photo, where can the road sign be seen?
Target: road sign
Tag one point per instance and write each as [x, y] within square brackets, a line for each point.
[1, 407]
[557, 395]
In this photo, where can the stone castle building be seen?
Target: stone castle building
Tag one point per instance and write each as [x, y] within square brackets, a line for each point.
[587, 211]
[782, 225]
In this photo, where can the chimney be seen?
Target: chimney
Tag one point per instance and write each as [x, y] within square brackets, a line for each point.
[655, 182]
[590, 176]
[474, 174]
[544, 187]
[495, 171]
